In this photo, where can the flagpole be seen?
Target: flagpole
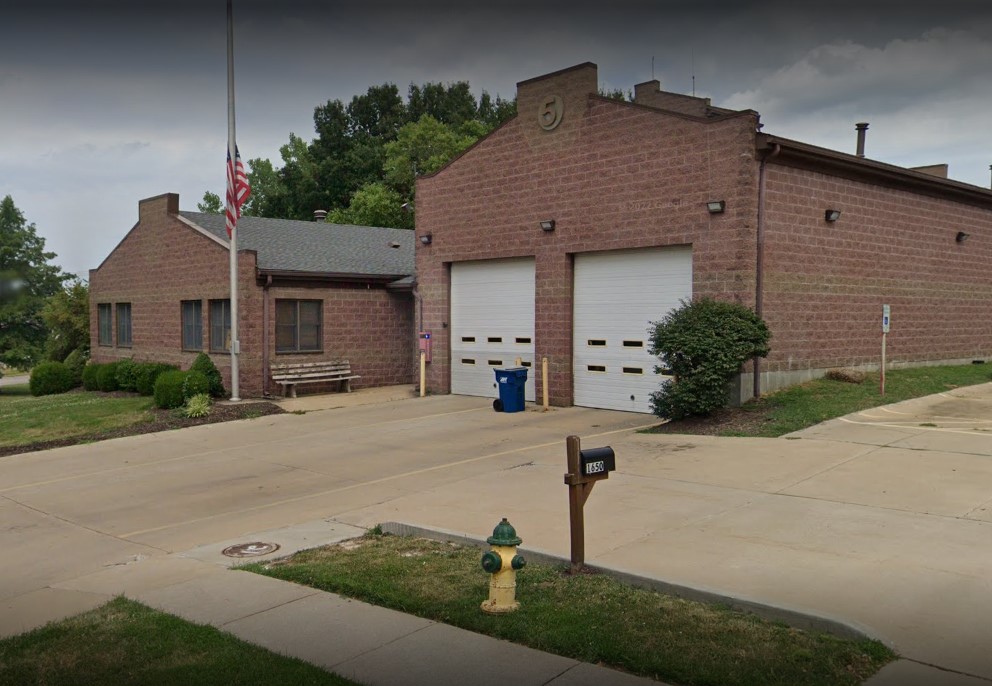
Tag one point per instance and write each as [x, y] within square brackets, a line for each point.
[232, 151]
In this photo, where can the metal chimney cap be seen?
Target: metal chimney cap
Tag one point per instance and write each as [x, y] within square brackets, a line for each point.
[319, 215]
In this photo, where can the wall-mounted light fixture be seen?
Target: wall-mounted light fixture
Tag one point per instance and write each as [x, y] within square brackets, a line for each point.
[547, 225]
[961, 237]
[716, 206]
[831, 215]
[427, 239]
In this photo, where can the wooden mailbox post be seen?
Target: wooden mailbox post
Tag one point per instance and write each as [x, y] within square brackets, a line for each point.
[585, 468]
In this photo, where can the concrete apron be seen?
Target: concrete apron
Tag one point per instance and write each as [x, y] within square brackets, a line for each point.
[883, 527]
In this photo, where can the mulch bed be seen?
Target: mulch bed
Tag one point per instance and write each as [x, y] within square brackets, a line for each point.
[162, 420]
[729, 420]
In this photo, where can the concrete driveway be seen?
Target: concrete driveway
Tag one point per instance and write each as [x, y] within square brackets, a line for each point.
[881, 520]
[74, 511]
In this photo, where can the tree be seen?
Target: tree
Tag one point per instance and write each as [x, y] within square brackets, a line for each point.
[421, 147]
[268, 192]
[380, 112]
[357, 146]
[26, 281]
[452, 104]
[492, 113]
[210, 203]
[67, 316]
[374, 205]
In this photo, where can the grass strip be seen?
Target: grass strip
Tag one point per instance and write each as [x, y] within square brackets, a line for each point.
[802, 406]
[589, 617]
[25, 419]
[124, 642]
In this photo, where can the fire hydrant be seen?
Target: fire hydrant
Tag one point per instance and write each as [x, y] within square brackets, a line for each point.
[502, 562]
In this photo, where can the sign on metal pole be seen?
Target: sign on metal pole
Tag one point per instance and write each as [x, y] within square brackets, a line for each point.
[885, 331]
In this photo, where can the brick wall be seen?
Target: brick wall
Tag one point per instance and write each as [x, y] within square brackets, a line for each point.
[826, 282]
[371, 327]
[612, 176]
[163, 261]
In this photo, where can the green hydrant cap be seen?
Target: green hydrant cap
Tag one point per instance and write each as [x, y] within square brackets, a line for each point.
[504, 534]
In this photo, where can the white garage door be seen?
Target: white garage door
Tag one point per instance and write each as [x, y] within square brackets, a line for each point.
[616, 296]
[492, 323]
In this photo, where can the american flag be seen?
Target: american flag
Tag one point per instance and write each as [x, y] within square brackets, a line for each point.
[238, 190]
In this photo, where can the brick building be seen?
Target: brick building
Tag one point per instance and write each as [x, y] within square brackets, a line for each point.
[575, 224]
[308, 291]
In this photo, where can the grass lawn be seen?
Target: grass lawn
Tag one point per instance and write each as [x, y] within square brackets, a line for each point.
[798, 407]
[589, 617]
[25, 419]
[124, 642]
[52, 421]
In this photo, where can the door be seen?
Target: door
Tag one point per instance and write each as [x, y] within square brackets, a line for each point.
[615, 298]
[492, 323]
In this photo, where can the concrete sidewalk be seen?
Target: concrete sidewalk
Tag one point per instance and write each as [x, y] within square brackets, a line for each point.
[371, 645]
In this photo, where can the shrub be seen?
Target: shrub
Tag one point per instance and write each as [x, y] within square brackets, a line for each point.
[148, 372]
[206, 366]
[90, 372]
[127, 375]
[704, 343]
[75, 362]
[106, 377]
[195, 383]
[49, 378]
[168, 390]
[197, 406]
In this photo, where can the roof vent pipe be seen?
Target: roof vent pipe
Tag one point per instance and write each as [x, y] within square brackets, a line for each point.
[862, 127]
[319, 215]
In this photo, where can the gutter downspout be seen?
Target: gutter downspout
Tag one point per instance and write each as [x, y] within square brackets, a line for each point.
[759, 274]
[418, 326]
[265, 335]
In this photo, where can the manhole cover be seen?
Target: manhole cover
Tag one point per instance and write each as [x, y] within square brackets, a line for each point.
[250, 549]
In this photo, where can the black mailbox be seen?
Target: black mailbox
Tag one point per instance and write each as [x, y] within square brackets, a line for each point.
[596, 461]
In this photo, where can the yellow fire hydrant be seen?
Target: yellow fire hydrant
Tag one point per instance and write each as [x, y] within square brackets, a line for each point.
[502, 562]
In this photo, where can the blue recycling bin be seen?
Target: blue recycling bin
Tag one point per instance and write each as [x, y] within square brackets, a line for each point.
[511, 383]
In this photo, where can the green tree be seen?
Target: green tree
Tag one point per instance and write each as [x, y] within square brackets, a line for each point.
[268, 192]
[421, 147]
[211, 203]
[492, 113]
[379, 112]
[67, 317]
[374, 205]
[452, 104]
[617, 94]
[27, 279]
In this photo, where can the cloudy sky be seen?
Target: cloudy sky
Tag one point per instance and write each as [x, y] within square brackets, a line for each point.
[103, 103]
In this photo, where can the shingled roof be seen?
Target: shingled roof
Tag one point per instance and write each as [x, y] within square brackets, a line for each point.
[319, 248]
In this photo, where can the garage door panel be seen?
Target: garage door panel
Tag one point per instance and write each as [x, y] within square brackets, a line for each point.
[616, 297]
[492, 323]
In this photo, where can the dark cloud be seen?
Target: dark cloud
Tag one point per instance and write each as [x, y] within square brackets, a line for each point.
[129, 97]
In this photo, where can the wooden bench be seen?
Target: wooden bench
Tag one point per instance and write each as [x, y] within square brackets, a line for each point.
[288, 375]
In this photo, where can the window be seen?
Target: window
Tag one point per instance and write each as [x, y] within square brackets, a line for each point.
[106, 327]
[298, 326]
[124, 325]
[220, 325]
[192, 312]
